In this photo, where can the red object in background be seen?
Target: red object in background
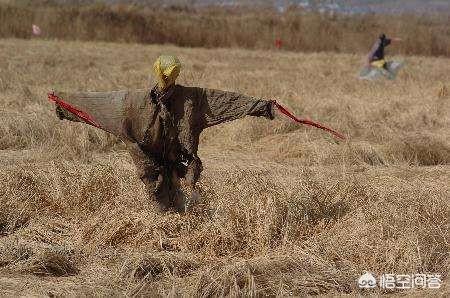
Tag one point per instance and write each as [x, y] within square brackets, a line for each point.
[278, 43]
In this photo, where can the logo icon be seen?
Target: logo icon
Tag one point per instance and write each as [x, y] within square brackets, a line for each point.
[367, 281]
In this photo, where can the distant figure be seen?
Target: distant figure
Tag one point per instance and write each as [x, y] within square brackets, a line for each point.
[376, 65]
[376, 55]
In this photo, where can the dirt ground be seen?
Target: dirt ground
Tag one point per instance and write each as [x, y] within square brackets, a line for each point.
[285, 209]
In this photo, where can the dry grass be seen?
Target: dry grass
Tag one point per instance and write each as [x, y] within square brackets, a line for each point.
[226, 27]
[285, 209]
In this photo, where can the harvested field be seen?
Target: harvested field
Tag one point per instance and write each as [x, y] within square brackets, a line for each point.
[285, 209]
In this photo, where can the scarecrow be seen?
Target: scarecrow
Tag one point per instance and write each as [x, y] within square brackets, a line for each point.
[376, 65]
[161, 126]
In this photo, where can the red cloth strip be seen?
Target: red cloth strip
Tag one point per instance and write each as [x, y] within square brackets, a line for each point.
[83, 115]
[307, 122]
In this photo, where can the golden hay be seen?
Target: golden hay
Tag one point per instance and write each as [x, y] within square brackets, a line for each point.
[284, 209]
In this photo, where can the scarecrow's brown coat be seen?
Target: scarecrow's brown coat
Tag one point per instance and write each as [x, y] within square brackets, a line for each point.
[162, 130]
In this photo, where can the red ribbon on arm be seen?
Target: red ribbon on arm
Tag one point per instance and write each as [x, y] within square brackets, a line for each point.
[83, 115]
[307, 122]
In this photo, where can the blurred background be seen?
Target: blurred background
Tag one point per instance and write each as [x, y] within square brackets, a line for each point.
[348, 26]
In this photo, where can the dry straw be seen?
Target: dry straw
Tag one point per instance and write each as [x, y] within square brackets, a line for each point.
[285, 209]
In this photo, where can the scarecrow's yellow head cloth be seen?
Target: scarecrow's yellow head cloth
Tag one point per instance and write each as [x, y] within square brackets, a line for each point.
[166, 68]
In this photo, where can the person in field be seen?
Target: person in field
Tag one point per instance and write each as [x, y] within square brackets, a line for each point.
[161, 126]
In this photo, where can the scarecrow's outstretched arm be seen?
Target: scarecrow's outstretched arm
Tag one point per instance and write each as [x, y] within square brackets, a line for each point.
[224, 106]
[104, 110]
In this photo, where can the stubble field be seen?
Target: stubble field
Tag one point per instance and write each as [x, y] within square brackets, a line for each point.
[285, 209]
